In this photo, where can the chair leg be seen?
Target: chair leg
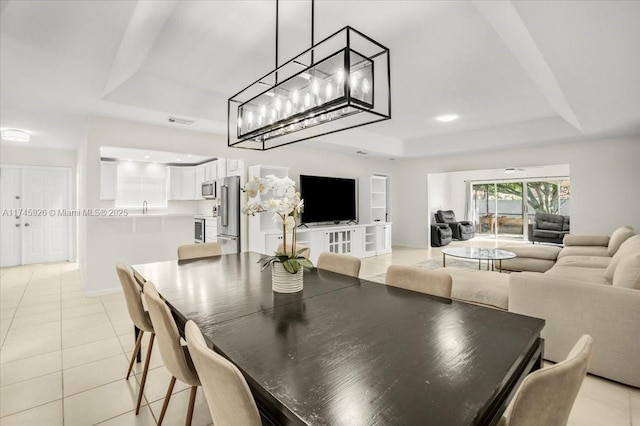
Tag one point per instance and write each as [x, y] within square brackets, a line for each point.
[192, 401]
[144, 372]
[136, 349]
[166, 400]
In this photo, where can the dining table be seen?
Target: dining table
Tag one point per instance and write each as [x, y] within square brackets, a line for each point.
[348, 351]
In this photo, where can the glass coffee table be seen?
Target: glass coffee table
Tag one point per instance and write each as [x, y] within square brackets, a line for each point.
[488, 254]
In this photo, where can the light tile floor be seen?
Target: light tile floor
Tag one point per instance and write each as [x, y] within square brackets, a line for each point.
[63, 356]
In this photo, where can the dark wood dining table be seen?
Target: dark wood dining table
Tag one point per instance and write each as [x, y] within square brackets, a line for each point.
[347, 351]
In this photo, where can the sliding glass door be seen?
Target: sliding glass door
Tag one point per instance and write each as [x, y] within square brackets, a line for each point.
[504, 209]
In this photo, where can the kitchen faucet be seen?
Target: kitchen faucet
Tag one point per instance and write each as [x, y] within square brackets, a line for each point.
[144, 207]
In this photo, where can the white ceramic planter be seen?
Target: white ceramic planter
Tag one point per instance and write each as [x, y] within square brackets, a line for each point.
[284, 282]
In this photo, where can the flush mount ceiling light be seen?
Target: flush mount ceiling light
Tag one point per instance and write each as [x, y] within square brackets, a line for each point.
[15, 135]
[339, 83]
[447, 118]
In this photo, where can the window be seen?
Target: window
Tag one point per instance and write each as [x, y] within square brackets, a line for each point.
[140, 182]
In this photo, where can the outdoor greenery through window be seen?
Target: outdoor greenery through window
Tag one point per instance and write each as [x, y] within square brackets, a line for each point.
[504, 209]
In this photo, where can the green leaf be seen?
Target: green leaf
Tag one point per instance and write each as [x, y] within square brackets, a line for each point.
[291, 266]
[305, 262]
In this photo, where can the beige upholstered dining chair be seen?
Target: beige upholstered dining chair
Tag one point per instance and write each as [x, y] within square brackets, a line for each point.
[417, 279]
[306, 251]
[339, 263]
[132, 294]
[546, 396]
[198, 251]
[175, 356]
[228, 395]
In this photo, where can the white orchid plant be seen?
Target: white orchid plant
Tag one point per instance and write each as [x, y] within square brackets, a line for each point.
[286, 206]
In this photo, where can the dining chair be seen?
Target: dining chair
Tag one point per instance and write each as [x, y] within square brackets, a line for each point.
[198, 251]
[226, 390]
[339, 263]
[175, 356]
[140, 317]
[304, 250]
[546, 396]
[417, 279]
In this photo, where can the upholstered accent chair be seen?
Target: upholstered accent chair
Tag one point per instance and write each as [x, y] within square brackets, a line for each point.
[546, 396]
[228, 395]
[548, 228]
[418, 279]
[199, 251]
[462, 230]
[339, 263]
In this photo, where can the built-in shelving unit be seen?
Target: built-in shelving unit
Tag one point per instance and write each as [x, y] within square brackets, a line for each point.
[379, 198]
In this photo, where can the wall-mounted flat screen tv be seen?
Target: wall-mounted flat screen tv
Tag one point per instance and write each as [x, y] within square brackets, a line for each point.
[328, 199]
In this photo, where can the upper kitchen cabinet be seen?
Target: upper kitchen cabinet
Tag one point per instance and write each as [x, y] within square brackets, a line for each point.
[182, 183]
[108, 180]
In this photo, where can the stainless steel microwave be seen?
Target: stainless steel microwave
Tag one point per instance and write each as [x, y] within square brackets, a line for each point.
[208, 189]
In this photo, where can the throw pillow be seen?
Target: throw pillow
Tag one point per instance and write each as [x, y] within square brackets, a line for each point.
[618, 237]
[630, 246]
[627, 273]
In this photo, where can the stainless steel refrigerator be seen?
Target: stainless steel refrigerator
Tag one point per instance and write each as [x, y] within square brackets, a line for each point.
[229, 214]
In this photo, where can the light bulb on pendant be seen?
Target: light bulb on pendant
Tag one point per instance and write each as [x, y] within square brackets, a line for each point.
[239, 122]
[295, 97]
[278, 103]
[250, 119]
[307, 100]
[263, 110]
[329, 91]
[353, 81]
[315, 86]
[366, 85]
[287, 107]
[260, 120]
[340, 76]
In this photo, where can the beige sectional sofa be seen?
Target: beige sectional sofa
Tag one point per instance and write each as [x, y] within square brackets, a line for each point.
[593, 288]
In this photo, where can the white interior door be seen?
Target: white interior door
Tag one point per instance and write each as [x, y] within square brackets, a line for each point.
[45, 231]
[10, 244]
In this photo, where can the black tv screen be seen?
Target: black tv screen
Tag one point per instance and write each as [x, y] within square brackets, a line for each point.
[328, 199]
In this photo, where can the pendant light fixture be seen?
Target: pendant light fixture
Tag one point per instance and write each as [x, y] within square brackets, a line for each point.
[340, 83]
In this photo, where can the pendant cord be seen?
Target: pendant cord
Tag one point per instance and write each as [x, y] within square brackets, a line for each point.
[277, 14]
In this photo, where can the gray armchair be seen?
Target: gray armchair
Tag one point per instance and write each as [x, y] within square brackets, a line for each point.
[548, 228]
[462, 230]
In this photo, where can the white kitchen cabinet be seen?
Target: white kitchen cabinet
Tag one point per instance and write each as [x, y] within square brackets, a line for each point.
[108, 180]
[199, 179]
[204, 173]
[210, 230]
[182, 183]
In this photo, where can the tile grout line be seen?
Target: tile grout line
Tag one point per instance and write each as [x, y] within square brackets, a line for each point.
[16, 310]
[61, 347]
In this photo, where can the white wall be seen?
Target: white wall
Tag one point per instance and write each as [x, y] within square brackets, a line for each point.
[604, 178]
[28, 156]
[102, 252]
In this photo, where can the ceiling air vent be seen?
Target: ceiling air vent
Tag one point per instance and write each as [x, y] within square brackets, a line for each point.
[182, 121]
[361, 152]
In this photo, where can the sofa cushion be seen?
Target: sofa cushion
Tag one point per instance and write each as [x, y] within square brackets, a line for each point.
[618, 237]
[546, 233]
[538, 251]
[565, 224]
[600, 262]
[586, 240]
[579, 274]
[483, 287]
[584, 251]
[549, 221]
[627, 273]
[631, 245]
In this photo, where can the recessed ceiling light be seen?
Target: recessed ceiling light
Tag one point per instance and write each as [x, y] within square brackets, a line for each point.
[177, 159]
[15, 135]
[189, 155]
[447, 118]
[147, 157]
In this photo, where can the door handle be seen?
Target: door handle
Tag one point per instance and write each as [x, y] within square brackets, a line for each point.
[26, 224]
